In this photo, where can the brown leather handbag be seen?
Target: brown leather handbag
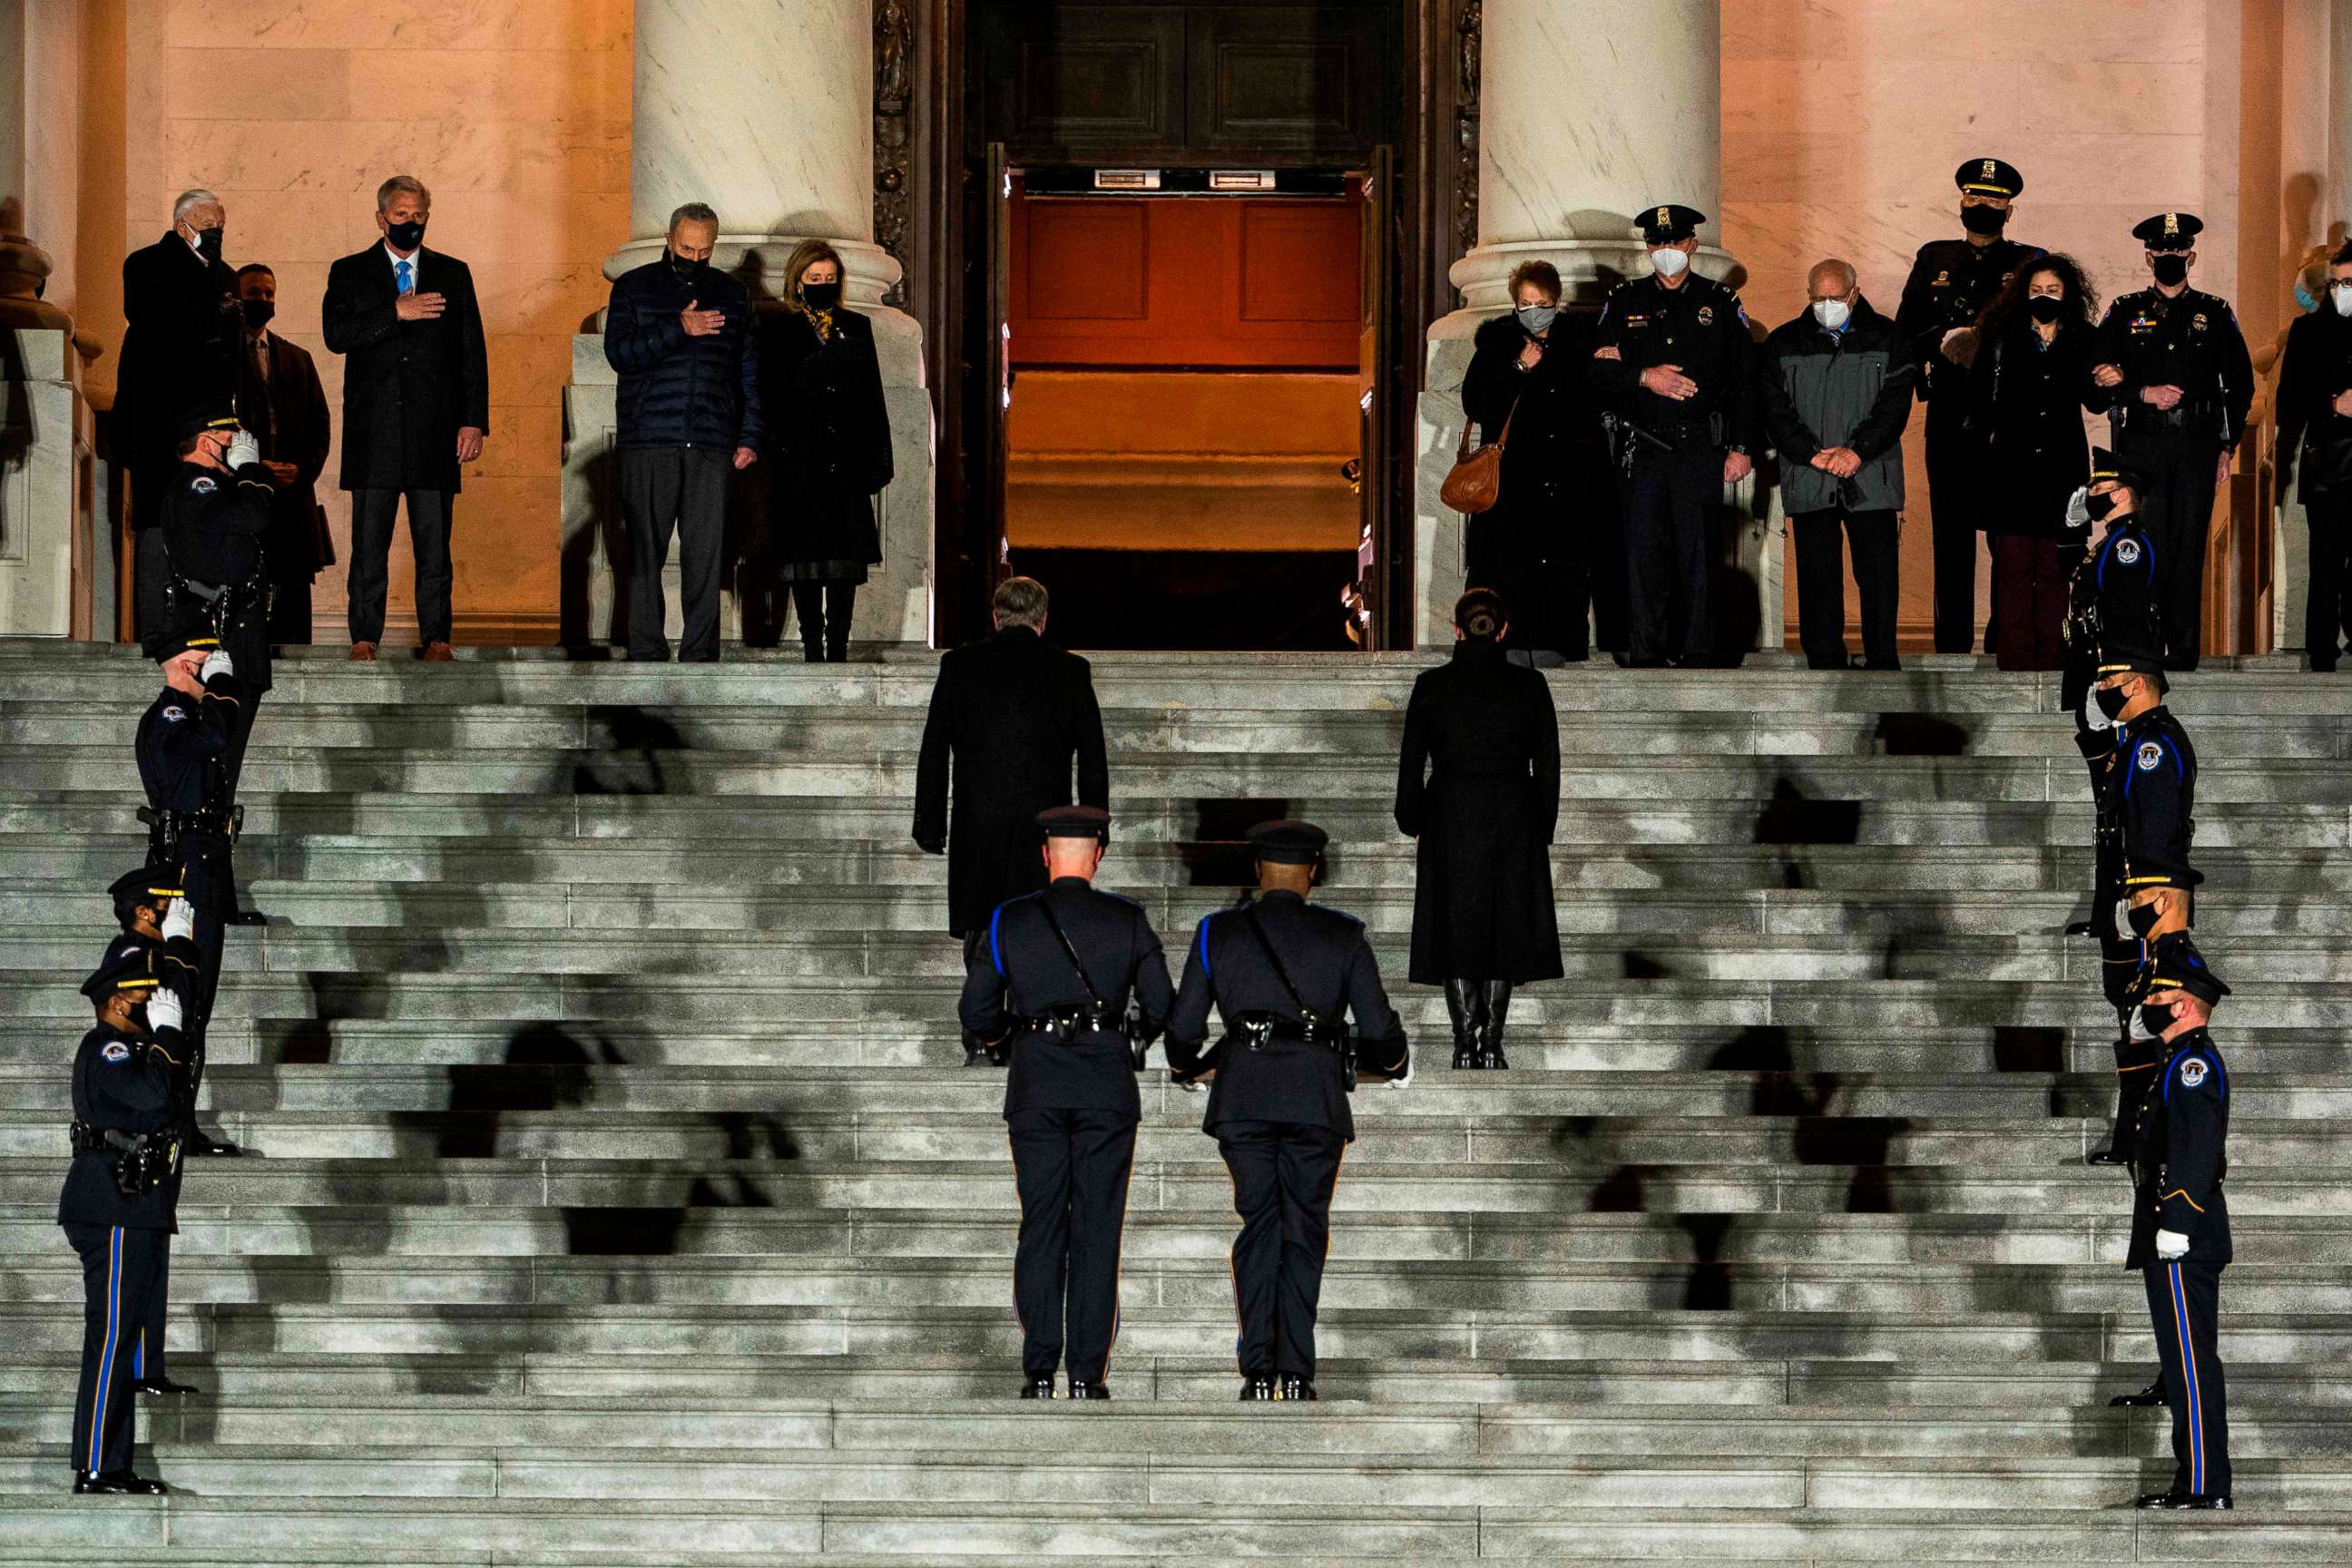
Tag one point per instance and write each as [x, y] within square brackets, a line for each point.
[1476, 482]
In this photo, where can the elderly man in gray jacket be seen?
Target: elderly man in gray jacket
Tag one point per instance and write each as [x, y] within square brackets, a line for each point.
[1836, 394]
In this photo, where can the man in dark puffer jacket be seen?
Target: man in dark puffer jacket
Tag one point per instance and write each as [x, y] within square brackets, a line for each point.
[679, 332]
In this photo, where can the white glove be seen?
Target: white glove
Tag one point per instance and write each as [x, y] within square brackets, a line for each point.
[2078, 509]
[164, 1013]
[179, 920]
[216, 662]
[1406, 1078]
[2093, 718]
[2170, 1245]
[243, 448]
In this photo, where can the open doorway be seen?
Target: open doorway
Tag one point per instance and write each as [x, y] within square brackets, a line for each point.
[1184, 425]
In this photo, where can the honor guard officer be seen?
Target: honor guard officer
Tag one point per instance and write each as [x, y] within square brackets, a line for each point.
[217, 594]
[1951, 282]
[2180, 1221]
[118, 1203]
[1052, 978]
[1675, 361]
[1282, 973]
[184, 741]
[2172, 374]
[2148, 791]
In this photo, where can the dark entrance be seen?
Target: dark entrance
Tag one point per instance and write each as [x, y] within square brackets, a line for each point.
[1186, 319]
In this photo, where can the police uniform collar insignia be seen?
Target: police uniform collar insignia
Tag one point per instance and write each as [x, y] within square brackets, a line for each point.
[202, 485]
[2151, 754]
[116, 1051]
[2192, 1072]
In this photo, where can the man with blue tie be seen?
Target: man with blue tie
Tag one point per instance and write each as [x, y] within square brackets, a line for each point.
[416, 403]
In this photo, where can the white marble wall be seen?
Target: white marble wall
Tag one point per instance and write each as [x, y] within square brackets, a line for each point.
[47, 531]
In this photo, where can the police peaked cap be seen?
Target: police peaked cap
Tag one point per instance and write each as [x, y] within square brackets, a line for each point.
[2173, 964]
[144, 886]
[1288, 843]
[1987, 177]
[205, 413]
[2106, 464]
[1075, 822]
[125, 967]
[2134, 662]
[1669, 224]
[2169, 231]
[190, 633]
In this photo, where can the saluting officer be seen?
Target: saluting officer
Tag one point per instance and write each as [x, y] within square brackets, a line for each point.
[1951, 282]
[184, 742]
[2180, 1221]
[2172, 374]
[1053, 972]
[2148, 791]
[119, 1200]
[1674, 358]
[158, 922]
[1283, 974]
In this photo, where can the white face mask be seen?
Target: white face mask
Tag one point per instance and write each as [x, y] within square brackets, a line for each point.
[1670, 261]
[1831, 313]
[2342, 294]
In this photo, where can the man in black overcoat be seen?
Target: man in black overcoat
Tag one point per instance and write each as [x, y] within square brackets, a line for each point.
[178, 351]
[281, 401]
[1010, 715]
[416, 403]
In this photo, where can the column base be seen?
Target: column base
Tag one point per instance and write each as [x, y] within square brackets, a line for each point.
[56, 574]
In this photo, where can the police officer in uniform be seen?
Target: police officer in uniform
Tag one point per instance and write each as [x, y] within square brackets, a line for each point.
[120, 1200]
[1951, 282]
[2180, 1221]
[1052, 979]
[1281, 973]
[2172, 376]
[1674, 361]
[183, 743]
[158, 922]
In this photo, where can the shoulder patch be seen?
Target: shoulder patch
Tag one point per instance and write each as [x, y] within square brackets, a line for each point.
[115, 1051]
[2149, 754]
[174, 713]
[202, 485]
[2192, 1071]
[2128, 551]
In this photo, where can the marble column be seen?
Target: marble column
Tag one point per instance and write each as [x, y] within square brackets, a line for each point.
[1589, 112]
[763, 108]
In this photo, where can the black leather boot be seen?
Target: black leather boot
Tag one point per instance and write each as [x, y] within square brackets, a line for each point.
[1083, 1390]
[1463, 1002]
[1294, 1388]
[1256, 1388]
[115, 1483]
[2153, 1395]
[1497, 1000]
[1037, 1387]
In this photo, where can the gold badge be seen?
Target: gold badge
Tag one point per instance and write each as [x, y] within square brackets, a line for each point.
[1942, 279]
[2196, 323]
[1988, 168]
[2172, 223]
[1706, 315]
[1662, 220]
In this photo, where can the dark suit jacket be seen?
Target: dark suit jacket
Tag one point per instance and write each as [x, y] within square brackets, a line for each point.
[177, 349]
[289, 413]
[408, 386]
[1013, 713]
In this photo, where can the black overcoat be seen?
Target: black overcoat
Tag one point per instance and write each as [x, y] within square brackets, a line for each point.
[180, 338]
[828, 437]
[1013, 714]
[1478, 784]
[408, 386]
[2025, 401]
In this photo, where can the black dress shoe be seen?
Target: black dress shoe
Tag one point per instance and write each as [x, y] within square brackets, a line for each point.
[165, 1385]
[2192, 1501]
[1638, 662]
[2140, 1399]
[1256, 1388]
[1038, 1388]
[980, 1053]
[1294, 1388]
[2106, 1157]
[203, 1144]
[246, 918]
[115, 1483]
[1088, 1389]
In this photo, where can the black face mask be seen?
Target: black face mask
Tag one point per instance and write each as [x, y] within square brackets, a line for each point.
[209, 241]
[2154, 1020]
[2143, 916]
[2111, 702]
[139, 1019]
[821, 295]
[1983, 220]
[258, 313]
[684, 266]
[2099, 504]
[406, 236]
[2045, 308]
[2170, 269]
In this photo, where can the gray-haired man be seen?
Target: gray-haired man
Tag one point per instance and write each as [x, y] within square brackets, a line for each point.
[679, 332]
[416, 403]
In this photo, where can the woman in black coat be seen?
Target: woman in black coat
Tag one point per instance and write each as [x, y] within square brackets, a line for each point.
[1539, 539]
[2032, 364]
[1478, 785]
[829, 447]
[2314, 415]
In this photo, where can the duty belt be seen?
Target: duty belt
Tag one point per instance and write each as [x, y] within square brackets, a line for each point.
[172, 826]
[1066, 1023]
[89, 1139]
[1254, 1029]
